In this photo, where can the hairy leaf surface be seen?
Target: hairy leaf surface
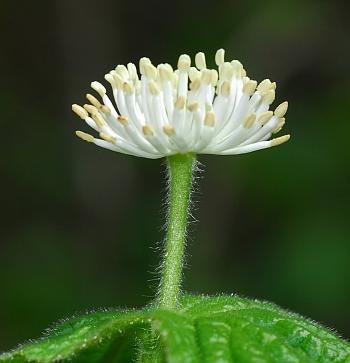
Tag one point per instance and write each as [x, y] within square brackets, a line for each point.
[222, 329]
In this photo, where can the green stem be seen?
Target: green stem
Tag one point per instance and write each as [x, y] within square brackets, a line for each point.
[180, 168]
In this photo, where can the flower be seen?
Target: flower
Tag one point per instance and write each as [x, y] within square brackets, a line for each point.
[191, 109]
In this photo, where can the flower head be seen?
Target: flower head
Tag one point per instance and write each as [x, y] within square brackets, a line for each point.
[192, 109]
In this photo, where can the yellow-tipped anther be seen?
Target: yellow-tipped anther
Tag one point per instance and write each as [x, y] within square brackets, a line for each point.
[237, 68]
[226, 88]
[200, 61]
[94, 101]
[180, 102]
[220, 57]
[209, 119]
[123, 120]
[128, 87]
[280, 140]
[108, 138]
[148, 130]
[99, 120]
[184, 62]
[105, 110]
[265, 116]
[79, 111]
[194, 73]
[249, 87]
[249, 121]
[169, 130]
[118, 81]
[206, 76]
[122, 71]
[91, 109]
[268, 97]
[279, 126]
[150, 71]
[84, 136]
[226, 71]
[193, 107]
[110, 79]
[132, 71]
[214, 77]
[99, 88]
[143, 62]
[264, 86]
[195, 85]
[164, 73]
[154, 89]
[281, 110]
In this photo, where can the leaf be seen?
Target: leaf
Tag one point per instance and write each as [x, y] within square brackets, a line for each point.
[223, 329]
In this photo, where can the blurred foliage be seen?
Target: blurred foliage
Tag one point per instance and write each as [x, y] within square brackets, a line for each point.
[80, 226]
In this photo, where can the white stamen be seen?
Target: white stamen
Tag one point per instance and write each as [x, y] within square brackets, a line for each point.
[191, 109]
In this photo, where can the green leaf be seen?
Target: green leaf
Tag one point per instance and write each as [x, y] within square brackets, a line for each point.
[223, 329]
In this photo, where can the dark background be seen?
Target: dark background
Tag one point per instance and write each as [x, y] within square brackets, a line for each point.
[80, 225]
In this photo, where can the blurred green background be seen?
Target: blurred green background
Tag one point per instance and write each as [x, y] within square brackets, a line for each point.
[81, 226]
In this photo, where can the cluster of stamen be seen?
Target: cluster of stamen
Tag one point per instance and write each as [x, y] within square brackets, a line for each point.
[192, 109]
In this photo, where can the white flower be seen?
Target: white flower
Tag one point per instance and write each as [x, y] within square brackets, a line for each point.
[191, 109]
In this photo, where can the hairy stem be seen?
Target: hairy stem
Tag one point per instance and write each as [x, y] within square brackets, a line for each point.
[180, 169]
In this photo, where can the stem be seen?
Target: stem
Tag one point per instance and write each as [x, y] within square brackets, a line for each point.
[180, 168]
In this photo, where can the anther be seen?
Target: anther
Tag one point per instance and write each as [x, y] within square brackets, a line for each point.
[85, 136]
[200, 61]
[79, 111]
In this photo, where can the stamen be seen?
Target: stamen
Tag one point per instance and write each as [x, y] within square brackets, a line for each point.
[279, 126]
[123, 120]
[85, 136]
[122, 71]
[99, 88]
[214, 77]
[281, 110]
[184, 62]
[169, 130]
[79, 111]
[154, 89]
[268, 97]
[193, 107]
[249, 121]
[150, 71]
[105, 110]
[195, 85]
[100, 122]
[249, 87]
[265, 116]
[180, 102]
[148, 130]
[193, 74]
[217, 111]
[264, 86]
[93, 100]
[128, 87]
[226, 71]
[226, 88]
[209, 119]
[108, 138]
[164, 73]
[200, 61]
[220, 57]
[237, 68]
[91, 109]
[280, 140]
[132, 71]
[206, 76]
[142, 63]
[110, 79]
